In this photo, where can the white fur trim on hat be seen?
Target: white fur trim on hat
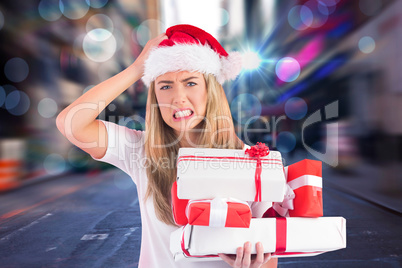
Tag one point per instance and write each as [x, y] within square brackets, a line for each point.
[193, 58]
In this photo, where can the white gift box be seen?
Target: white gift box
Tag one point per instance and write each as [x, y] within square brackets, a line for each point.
[204, 173]
[285, 237]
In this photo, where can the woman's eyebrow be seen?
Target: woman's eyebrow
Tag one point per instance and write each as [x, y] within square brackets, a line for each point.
[189, 78]
[165, 82]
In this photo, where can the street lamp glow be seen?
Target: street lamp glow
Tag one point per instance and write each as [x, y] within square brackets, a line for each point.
[251, 60]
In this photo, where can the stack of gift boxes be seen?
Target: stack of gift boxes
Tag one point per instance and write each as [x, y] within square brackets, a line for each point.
[213, 192]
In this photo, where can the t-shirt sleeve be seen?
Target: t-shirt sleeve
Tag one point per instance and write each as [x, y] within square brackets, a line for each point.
[124, 148]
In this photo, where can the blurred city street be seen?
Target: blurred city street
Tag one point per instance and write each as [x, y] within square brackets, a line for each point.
[94, 221]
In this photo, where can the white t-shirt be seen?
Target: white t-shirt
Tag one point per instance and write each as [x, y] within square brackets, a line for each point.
[126, 151]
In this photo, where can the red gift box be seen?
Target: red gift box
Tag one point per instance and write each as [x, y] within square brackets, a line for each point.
[305, 179]
[219, 212]
[303, 196]
[179, 207]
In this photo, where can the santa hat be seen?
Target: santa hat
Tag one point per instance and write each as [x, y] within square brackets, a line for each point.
[189, 48]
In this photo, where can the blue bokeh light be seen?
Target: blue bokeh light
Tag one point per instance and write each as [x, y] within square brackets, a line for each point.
[74, 9]
[2, 96]
[96, 3]
[285, 142]
[300, 17]
[296, 108]
[49, 10]
[17, 102]
[54, 164]
[16, 69]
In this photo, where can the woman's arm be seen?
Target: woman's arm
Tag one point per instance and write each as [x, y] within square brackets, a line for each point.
[77, 122]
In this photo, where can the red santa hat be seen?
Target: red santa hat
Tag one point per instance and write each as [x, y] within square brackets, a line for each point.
[189, 48]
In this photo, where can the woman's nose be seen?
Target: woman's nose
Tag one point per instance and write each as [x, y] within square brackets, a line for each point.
[180, 96]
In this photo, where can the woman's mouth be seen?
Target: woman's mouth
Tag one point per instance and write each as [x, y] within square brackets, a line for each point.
[182, 114]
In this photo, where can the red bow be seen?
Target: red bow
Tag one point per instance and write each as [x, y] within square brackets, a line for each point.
[257, 151]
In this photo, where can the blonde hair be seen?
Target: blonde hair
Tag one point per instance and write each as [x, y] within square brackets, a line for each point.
[161, 146]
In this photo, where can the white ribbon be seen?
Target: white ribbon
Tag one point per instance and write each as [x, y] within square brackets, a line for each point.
[218, 209]
[283, 207]
[306, 180]
[218, 212]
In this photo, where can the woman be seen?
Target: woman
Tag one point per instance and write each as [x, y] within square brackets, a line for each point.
[186, 107]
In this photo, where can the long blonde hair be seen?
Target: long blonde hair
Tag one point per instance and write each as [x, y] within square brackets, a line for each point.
[161, 146]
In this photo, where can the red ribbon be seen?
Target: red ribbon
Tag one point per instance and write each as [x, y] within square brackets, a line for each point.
[280, 235]
[258, 151]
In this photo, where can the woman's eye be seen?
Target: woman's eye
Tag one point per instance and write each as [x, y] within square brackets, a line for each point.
[165, 87]
[191, 84]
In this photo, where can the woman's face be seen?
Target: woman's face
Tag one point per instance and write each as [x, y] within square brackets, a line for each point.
[182, 99]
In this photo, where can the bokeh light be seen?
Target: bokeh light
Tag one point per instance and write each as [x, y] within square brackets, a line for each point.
[77, 158]
[143, 32]
[74, 9]
[17, 102]
[16, 70]
[54, 164]
[370, 8]
[326, 7]
[366, 44]
[319, 18]
[99, 34]
[224, 17]
[97, 3]
[296, 108]
[12, 99]
[49, 10]
[2, 96]
[99, 21]
[285, 142]
[47, 107]
[300, 17]
[99, 45]
[287, 69]
[123, 182]
[244, 107]
[250, 60]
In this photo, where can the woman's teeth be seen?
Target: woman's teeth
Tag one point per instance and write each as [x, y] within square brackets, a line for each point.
[182, 113]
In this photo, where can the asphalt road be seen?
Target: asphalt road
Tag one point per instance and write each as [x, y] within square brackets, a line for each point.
[93, 220]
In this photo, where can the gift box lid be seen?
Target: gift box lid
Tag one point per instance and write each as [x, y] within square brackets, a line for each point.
[206, 173]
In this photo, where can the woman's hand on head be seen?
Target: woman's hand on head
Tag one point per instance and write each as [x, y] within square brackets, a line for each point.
[243, 258]
[154, 42]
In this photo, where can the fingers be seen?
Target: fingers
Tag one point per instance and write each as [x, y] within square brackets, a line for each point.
[260, 254]
[239, 258]
[247, 254]
[243, 256]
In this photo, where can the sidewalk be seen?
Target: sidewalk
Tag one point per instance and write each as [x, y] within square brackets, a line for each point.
[381, 185]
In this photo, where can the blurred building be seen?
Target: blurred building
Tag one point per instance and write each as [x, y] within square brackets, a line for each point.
[321, 77]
